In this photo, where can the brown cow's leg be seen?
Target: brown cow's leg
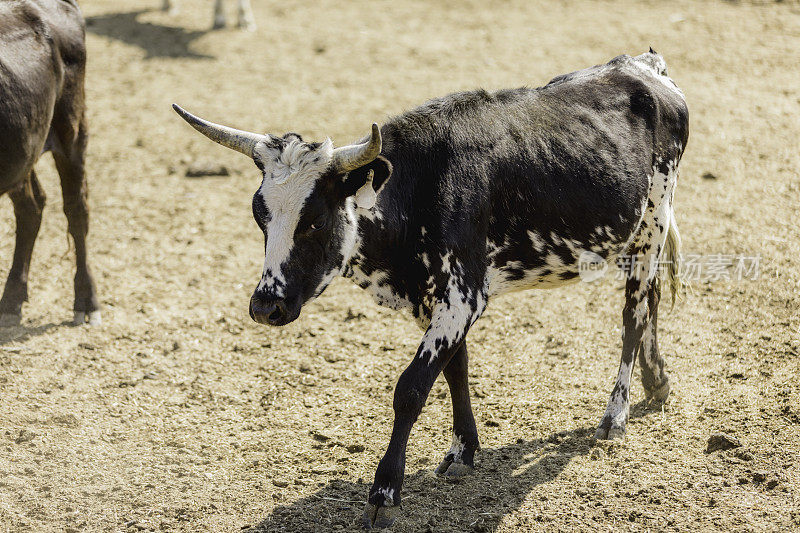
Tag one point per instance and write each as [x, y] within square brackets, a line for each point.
[70, 164]
[460, 459]
[219, 15]
[28, 200]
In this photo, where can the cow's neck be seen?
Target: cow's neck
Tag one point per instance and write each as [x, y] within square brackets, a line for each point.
[378, 262]
[379, 232]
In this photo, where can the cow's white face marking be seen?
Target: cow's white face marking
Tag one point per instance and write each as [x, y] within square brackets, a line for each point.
[290, 176]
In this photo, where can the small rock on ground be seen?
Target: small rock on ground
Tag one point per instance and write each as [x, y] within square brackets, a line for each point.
[721, 441]
[200, 169]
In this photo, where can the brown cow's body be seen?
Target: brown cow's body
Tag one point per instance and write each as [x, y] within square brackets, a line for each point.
[42, 108]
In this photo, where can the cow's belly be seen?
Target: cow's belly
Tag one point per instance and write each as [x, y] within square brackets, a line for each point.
[546, 262]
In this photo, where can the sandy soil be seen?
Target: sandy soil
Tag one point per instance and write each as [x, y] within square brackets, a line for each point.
[180, 414]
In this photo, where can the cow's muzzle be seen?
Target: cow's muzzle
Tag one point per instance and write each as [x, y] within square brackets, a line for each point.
[271, 311]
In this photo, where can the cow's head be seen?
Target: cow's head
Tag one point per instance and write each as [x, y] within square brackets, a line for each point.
[306, 208]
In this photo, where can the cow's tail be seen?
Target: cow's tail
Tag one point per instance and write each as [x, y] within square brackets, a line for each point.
[672, 255]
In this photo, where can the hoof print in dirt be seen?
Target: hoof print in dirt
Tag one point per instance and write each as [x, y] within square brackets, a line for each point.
[721, 441]
[379, 516]
[9, 321]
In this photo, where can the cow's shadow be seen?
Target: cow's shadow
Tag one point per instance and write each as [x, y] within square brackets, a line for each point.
[504, 478]
[23, 333]
[156, 40]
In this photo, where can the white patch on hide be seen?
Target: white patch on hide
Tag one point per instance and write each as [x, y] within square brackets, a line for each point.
[457, 448]
[453, 315]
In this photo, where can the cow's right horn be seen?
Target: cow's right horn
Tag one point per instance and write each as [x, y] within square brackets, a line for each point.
[241, 141]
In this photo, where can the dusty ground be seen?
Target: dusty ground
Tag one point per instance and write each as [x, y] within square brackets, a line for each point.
[181, 414]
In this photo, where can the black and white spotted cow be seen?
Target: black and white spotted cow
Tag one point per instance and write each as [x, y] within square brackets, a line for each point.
[243, 10]
[470, 196]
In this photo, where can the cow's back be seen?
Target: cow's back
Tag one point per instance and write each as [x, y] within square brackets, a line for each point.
[537, 173]
[40, 42]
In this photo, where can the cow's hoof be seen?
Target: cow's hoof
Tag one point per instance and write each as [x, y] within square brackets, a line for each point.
[247, 25]
[94, 318]
[378, 516]
[7, 320]
[660, 394]
[219, 23]
[609, 433]
[611, 429]
[450, 469]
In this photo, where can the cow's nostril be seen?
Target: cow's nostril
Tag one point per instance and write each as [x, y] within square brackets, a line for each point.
[275, 315]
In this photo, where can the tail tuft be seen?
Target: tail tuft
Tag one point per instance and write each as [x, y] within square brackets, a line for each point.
[672, 253]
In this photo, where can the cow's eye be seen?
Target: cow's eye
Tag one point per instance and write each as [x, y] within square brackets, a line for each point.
[318, 224]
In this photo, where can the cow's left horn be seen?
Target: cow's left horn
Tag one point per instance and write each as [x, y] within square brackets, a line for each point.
[241, 141]
[351, 157]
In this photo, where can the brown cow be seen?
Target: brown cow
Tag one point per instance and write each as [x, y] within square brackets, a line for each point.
[42, 108]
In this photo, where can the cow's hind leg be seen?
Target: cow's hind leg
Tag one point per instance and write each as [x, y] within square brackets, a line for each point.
[654, 376]
[28, 200]
[635, 316]
[69, 158]
[460, 459]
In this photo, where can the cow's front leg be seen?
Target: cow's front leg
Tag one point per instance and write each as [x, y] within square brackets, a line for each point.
[443, 338]
[460, 459]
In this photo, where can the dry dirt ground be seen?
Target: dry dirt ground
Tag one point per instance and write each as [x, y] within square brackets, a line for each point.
[180, 414]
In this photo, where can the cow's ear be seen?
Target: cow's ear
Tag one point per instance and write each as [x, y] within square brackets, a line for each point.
[364, 183]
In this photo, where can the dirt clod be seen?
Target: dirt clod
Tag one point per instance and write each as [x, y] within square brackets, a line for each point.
[721, 441]
[24, 436]
[201, 169]
[744, 454]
